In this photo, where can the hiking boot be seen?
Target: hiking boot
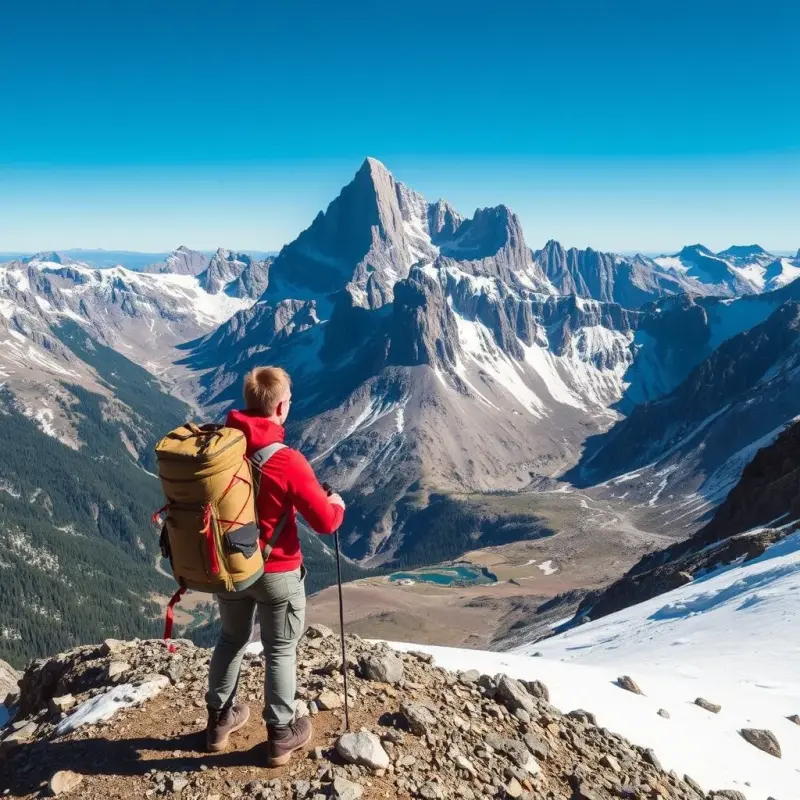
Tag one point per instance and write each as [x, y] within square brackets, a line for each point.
[221, 724]
[285, 739]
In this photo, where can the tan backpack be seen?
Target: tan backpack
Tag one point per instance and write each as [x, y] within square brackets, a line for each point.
[210, 527]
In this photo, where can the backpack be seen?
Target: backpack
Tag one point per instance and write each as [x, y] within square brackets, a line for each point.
[210, 528]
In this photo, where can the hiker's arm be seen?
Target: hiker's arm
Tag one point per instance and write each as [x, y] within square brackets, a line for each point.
[310, 499]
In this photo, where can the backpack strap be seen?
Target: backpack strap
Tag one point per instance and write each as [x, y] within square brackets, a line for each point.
[259, 460]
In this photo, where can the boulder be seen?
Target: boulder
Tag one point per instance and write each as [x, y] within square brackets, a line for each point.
[346, 790]
[537, 689]
[363, 748]
[763, 740]
[328, 700]
[318, 631]
[383, 668]
[629, 684]
[116, 669]
[64, 782]
[60, 705]
[20, 735]
[610, 762]
[662, 712]
[420, 718]
[727, 794]
[513, 695]
[794, 718]
[708, 705]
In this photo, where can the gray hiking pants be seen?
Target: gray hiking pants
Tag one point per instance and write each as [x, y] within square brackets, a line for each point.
[280, 598]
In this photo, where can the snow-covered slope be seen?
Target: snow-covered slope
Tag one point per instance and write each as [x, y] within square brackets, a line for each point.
[730, 637]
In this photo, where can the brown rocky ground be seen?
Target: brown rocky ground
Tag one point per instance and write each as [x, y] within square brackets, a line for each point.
[434, 734]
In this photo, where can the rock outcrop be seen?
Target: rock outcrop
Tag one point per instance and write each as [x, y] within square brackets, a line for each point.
[9, 680]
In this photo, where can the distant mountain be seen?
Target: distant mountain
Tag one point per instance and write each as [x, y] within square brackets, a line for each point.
[103, 259]
[182, 261]
[742, 255]
[236, 274]
[630, 281]
[737, 271]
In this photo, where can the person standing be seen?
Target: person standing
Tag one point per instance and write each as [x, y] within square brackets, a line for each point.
[287, 486]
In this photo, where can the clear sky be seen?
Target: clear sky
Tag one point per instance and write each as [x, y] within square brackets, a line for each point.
[620, 124]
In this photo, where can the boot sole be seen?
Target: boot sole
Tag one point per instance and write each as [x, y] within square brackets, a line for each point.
[219, 747]
[280, 761]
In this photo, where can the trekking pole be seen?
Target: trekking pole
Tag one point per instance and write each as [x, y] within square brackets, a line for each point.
[341, 627]
[329, 490]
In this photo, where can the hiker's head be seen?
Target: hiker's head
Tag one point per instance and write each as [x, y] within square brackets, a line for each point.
[268, 390]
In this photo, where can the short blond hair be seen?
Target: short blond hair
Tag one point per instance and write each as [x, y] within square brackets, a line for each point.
[264, 388]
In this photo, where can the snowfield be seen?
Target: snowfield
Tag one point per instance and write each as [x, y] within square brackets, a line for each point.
[731, 637]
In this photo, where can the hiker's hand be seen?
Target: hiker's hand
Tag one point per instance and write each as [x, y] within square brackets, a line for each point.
[336, 499]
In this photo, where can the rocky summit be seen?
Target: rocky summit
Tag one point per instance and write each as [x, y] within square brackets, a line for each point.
[136, 716]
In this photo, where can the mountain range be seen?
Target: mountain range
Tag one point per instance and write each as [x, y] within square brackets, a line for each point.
[436, 357]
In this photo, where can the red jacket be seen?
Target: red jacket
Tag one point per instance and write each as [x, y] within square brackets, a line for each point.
[288, 484]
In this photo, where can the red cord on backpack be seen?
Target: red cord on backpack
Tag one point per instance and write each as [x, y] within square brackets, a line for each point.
[169, 620]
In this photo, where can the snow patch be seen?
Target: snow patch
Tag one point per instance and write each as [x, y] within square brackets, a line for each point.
[105, 706]
[548, 568]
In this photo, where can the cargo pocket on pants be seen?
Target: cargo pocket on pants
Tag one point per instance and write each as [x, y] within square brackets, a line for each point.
[296, 614]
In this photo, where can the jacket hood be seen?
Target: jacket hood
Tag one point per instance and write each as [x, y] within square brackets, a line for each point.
[258, 430]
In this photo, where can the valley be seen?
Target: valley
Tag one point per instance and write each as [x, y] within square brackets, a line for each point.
[538, 583]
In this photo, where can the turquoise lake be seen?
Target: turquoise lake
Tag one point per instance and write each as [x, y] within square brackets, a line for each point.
[459, 574]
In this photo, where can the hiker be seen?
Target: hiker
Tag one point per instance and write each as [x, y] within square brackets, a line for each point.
[287, 485]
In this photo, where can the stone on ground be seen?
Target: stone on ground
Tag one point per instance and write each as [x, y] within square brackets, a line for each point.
[382, 667]
[513, 695]
[346, 790]
[318, 632]
[64, 782]
[420, 718]
[629, 684]
[364, 748]
[59, 705]
[328, 700]
[708, 705]
[763, 740]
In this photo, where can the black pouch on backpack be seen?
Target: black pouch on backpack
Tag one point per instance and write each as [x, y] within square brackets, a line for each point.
[243, 540]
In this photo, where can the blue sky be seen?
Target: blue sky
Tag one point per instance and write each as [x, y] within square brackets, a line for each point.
[621, 125]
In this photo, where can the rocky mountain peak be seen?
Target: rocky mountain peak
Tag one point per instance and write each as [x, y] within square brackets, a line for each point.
[693, 251]
[181, 261]
[49, 256]
[743, 251]
[443, 221]
[485, 234]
